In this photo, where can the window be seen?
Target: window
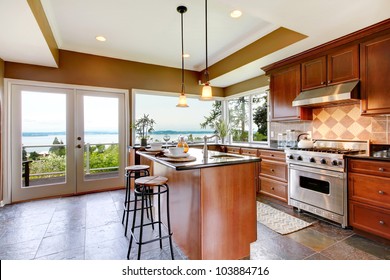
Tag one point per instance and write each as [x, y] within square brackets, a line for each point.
[247, 116]
[173, 121]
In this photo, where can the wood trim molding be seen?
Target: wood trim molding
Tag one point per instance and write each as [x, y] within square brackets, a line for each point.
[355, 37]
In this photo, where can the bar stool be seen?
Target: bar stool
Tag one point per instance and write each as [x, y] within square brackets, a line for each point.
[134, 172]
[142, 188]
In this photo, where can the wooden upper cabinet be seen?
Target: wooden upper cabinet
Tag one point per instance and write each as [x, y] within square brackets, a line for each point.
[343, 65]
[374, 74]
[340, 65]
[314, 73]
[285, 85]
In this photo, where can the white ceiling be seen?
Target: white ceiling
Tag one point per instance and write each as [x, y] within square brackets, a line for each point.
[149, 30]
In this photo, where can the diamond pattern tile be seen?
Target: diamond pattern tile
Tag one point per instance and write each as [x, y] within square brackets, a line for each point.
[345, 122]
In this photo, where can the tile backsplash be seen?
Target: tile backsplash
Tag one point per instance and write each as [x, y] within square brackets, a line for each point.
[341, 122]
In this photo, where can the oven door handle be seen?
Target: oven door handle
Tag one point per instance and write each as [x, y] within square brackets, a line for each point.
[339, 175]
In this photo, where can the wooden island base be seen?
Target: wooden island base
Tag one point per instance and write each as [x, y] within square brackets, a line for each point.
[213, 210]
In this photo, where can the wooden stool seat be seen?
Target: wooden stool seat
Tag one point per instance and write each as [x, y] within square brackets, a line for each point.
[151, 181]
[136, 167]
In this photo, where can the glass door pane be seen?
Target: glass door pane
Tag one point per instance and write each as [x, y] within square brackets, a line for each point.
[101, 144]
[43, 138]
[100, 140]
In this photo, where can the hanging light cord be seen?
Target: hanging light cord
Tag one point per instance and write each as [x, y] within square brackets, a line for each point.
[206, 73]
[182, 54]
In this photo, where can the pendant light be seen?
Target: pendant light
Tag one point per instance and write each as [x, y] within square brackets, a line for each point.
[207, 93]
[182, 98]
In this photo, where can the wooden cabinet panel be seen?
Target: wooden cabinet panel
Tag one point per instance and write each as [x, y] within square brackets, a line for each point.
[370, 167]
[272, 155]
[314, 73]
[273, 188]
[233, 150]
[340, 65]
[371, 219]
[285, 85]
[369, 189]
[277, 170]
[343, 65]
[369, 196]
[249, 152]
[374, 74]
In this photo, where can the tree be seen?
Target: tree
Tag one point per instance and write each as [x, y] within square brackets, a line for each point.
[260, 116]
[238, 118]
[58, 150]
[215, 114]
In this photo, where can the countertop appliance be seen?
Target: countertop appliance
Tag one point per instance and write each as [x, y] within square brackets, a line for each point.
[317, 178]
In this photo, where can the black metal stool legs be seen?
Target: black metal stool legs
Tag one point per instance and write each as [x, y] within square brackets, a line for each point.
[143, 192]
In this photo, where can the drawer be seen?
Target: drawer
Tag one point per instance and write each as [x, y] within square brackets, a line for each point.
[274, 169]
[273, 188]
[372, 167]
[370, 219]
[274, 155]
[233, 150]
[369, 189]
[249, 152]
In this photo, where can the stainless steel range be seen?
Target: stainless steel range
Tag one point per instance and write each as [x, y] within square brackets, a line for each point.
[317, 178]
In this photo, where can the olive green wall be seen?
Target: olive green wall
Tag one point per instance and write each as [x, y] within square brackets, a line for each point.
[247, 85]
[1, 125]
[85, 69]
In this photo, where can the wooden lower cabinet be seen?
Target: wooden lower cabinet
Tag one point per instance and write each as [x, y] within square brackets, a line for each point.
[273, 188]
[369, 196]
[273, 174]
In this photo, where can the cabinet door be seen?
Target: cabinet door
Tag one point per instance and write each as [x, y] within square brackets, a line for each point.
[374, 75]
[343, 65]
[285, 86]
[314, 73]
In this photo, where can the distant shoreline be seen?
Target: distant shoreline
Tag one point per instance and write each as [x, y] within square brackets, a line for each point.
[157, 132]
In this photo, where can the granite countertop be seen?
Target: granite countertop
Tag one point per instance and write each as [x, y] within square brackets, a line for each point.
[212, 161]
[369, 157]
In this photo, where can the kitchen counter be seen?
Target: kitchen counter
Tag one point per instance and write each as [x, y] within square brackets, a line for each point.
[212, 203]
[214, 159]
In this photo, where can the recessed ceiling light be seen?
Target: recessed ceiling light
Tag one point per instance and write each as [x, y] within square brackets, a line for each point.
[100, 38]
[236, 14]
[186, 55]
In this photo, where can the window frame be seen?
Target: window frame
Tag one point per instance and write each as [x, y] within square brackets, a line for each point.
[250, 93]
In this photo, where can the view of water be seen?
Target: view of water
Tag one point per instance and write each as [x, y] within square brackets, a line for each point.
[47, 138]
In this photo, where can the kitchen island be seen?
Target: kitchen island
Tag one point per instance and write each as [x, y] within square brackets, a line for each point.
[212, 203]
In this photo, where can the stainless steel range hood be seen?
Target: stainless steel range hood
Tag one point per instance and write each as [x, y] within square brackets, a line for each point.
[330, 95]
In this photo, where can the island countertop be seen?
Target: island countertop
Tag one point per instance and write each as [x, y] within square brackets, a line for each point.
[214, 159]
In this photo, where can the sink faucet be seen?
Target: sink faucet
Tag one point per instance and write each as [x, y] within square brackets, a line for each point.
[205, 138]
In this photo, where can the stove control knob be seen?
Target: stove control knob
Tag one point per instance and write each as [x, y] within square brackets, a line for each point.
[299, 158]
[290, 157]
[323, 161]
[312, 159]
[334, 162]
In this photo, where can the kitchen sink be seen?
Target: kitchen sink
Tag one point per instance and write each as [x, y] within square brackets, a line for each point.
[225, 156]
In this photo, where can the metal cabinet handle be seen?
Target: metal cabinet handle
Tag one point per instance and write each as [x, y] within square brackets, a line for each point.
[272, 170]
[381, 222]
[381, 169]
[381, 192]
[329, 81]
[273, 188]
[272, 155]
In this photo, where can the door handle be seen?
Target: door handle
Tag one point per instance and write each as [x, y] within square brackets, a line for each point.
[78, 146]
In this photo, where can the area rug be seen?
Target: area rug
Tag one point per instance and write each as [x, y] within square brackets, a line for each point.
[279, 221]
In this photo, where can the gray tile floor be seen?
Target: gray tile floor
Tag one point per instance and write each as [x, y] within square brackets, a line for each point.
[89, 227]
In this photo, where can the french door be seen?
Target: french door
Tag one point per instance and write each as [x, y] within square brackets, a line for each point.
[65, 140]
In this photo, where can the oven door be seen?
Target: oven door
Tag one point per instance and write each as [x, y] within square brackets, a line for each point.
[318, 187]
